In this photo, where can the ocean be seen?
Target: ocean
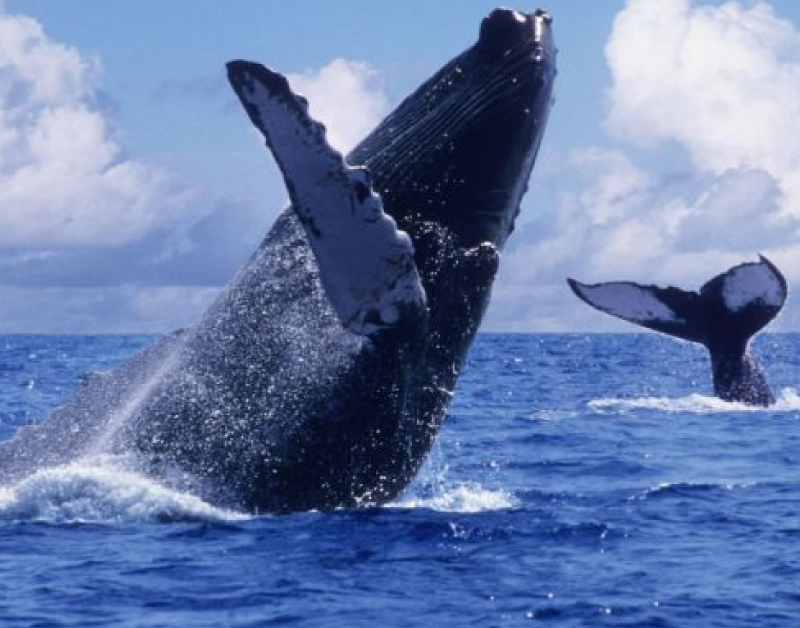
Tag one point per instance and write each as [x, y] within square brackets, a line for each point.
[579, 481]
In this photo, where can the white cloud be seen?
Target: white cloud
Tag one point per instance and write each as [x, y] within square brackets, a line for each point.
[94, 240]
[345, 96]
[64, 178]
[166, 308]
[627, 224]
[723, 83]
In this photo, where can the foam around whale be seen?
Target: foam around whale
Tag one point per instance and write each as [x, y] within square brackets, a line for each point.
[102, 489]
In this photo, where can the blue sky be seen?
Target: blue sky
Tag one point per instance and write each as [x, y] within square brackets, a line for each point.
[132, 187]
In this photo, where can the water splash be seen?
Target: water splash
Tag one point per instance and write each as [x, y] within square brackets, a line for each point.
[101, 489]
[462, 498]
[123, 414]
[788, 401]
[433, 490]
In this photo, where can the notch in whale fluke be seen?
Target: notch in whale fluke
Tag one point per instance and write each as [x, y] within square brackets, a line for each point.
[723, 315]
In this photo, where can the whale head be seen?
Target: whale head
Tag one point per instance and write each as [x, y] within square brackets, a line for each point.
[459, 151]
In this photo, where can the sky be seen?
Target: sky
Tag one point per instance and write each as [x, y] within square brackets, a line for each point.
[132, 186]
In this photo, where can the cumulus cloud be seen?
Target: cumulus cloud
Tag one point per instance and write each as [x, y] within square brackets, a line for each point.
[92, 239]
[627, 224]
[723, 81]
[64, 177]
[346, 96]
[723, 84]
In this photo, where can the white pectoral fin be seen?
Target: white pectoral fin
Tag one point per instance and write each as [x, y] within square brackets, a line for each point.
[366, 263]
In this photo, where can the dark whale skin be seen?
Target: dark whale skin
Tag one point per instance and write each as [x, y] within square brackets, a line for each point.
[269, 404]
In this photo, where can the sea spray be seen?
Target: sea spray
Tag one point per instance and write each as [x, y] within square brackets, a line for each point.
[101, 489]
[138, 396]
[434, 490]
[462, 497]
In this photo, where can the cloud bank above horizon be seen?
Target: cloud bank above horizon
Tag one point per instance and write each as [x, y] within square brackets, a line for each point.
[93, 238]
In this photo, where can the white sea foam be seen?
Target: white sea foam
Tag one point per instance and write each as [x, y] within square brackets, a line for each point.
[464, 498]
[101, 489]
[108, 489]
[546, 414]
[788, 400]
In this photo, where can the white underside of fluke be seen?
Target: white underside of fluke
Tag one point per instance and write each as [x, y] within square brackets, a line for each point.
[752, 283]
[628, 301]
[366, 263]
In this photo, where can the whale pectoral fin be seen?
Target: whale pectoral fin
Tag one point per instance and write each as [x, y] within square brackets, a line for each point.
[750, 295]
[366, 263]
[668, 310]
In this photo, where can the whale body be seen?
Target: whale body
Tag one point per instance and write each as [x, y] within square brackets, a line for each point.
[320, 377]
[722, 316]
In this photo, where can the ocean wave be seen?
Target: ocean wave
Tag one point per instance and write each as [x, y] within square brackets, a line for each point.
[788, 401]
[101, 490]
[689, 489]
[460, 498]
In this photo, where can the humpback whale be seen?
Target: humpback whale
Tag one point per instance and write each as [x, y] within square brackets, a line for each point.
[726, 312]
[319, 378]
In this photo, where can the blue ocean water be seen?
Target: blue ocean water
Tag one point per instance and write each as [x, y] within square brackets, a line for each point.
[578, 481]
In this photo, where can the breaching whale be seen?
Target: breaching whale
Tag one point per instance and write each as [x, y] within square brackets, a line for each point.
[319, 378]
[726, 312]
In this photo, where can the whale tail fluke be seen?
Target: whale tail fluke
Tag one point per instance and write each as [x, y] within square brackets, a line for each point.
[728, 310]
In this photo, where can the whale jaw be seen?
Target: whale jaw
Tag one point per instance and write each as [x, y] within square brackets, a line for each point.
[482, 116]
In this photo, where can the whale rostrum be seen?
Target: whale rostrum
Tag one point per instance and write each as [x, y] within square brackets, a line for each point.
[723, 316]
[320, 376]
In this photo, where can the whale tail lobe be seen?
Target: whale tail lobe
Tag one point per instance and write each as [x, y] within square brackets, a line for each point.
[723, 315]
[668, 310]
